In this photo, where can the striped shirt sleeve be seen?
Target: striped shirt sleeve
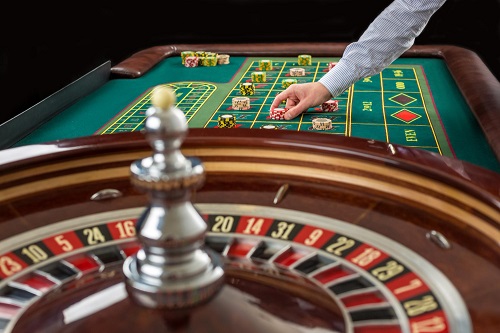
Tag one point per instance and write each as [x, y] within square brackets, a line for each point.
[391, 33]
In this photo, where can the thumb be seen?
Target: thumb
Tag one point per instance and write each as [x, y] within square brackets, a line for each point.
[295, 111]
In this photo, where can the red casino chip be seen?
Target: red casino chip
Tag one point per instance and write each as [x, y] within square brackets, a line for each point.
[278, 113]
[330, 106]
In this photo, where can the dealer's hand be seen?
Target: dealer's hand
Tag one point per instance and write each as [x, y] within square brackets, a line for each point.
[300, 97]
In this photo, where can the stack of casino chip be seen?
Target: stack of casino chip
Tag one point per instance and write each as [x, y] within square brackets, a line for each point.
[278, 113]
[247, 88]
[322, 124]
[288, 82]
[331, 65]
[223, 59]
[241, 103]
[209, 61]
[304, 59]
[297, 72]
[259, 77]
[226, 121]
[265, 65]
[203, 58]
[191, 61]
[330, 106]
[201, 54]
[185, 54]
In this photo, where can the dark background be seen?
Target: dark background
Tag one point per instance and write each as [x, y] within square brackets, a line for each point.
[43, 48]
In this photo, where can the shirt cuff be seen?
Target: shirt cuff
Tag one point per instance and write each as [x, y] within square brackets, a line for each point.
[339, 78]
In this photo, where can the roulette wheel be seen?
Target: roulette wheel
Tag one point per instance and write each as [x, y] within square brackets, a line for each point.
[205, 230]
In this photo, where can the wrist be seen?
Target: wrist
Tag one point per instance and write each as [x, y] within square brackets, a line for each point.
[323, 91]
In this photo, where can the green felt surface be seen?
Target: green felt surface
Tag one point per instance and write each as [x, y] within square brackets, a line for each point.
[414, 102]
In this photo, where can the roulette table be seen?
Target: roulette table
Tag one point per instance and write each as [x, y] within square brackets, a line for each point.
[339, 234]
[316, 232]
[438, 98]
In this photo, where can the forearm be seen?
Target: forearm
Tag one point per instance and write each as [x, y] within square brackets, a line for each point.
[388, 36]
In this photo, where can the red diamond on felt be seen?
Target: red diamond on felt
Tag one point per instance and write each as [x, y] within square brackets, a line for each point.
[406, 116]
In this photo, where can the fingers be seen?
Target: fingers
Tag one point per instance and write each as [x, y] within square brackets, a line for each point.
[294, 102]
[282, 96]
[295, 111]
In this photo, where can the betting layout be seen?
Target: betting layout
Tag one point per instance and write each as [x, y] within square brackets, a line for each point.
[394, 106]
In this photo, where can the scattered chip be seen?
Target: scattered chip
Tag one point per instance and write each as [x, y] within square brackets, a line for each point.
[226, 121]
[331, 65]
[259, 76]
[322, 124]
[330, 106]
[277, 113]
[285, 83]
[241, 103]
[297, 72]
[247, 88]
[265, 65]
[305, 60]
